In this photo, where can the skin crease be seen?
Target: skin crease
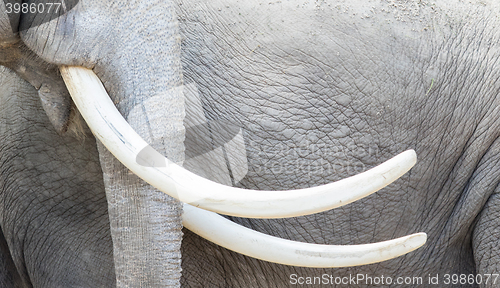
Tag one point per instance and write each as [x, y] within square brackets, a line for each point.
[43, 76]
[343, 86]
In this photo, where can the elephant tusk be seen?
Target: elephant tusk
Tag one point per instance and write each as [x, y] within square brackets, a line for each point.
[240, 239]
[115, 133]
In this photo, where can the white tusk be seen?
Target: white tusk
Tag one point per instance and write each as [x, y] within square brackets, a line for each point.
[232, 236]
[115, 133]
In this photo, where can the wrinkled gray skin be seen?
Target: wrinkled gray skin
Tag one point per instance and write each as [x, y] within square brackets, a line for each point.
[322, 90]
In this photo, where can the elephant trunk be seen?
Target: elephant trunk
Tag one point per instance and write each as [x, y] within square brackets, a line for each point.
[146, 223]
[145, 227]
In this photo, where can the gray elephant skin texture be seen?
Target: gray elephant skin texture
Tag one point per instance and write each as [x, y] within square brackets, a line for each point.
[321, 90]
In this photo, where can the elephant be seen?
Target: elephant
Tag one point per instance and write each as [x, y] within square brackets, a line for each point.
[319, 91]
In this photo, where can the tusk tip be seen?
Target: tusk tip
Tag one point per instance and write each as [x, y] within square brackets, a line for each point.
[410, 155]
[417, 240]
